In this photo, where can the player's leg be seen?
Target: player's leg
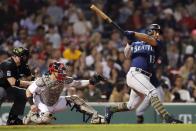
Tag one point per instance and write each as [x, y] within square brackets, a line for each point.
[3, 94]
[141, 109]
[19, 97]
[135, 100]
[81, 106]
[146, 103]
[142, 84]
[160, 93]
[43, 116]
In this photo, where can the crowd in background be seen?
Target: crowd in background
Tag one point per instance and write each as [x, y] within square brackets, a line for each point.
[67, 31]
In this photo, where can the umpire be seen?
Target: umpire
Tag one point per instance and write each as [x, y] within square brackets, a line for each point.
[11, 72]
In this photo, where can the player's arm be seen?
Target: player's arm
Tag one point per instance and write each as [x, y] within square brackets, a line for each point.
[131, 35]
[80, 83]
[16, 82]
[32, 89]
[146, 38]
[93, 80]
[127, 50]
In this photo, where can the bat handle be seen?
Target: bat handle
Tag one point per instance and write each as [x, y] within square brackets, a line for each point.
[118, 27]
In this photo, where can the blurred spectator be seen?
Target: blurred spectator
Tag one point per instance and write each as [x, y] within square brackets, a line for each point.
[191, 43]
[194, 94]
[38, 38]
[29, 23]
[72, 13]
[115, 37]
[72, 53]
[3, 55]
[181, 90]
[177, 97]
[71, 91]
[82, 27]
[119, 93]
[53, 36]
[92, 93]
[15, 32]
[96, 41]
[55, 12]
[22, 40]
[125, 12]
[186, 69]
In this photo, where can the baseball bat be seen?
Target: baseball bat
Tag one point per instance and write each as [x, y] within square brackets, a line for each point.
[106, 18]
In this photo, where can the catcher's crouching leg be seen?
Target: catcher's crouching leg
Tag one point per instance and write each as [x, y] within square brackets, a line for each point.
[35, 118]
[81, 106]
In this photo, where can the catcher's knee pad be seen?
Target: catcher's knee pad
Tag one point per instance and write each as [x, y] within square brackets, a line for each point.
[46, 117]
[43, 118]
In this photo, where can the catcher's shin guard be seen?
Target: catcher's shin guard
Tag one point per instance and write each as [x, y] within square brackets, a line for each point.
[81, 106]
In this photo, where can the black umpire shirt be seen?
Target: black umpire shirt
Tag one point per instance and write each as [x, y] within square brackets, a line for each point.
[8, 69]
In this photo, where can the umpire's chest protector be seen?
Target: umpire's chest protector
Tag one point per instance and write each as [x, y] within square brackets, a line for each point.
[50, 90]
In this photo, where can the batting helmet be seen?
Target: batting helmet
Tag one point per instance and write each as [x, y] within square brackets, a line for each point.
[59, 68]
[153, 27]
[21, 52]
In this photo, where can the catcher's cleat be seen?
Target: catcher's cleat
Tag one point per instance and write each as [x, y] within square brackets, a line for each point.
[171, 120]
[108, 114]
[26, 120]
[97, 119]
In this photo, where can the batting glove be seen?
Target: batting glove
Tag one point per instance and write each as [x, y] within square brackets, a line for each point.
[129, 34]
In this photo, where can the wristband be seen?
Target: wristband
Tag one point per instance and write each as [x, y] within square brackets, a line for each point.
[17, 83]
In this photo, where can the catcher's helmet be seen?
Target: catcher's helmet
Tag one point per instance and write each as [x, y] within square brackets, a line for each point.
[23, 53]
[59, 68]
[153, 27]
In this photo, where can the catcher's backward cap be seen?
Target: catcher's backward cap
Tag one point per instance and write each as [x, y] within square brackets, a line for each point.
[56, 66]
[20, 51]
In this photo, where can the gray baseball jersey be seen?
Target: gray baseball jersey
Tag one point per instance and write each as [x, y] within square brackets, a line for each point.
[49, 90]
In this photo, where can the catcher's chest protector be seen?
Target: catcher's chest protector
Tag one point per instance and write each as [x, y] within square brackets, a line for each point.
[50, 90]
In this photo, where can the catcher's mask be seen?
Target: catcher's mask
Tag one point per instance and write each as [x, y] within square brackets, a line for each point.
[59, 68]
[153, 27]
[23, 53]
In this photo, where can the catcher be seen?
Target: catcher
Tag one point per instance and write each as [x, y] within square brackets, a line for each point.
[44, 97]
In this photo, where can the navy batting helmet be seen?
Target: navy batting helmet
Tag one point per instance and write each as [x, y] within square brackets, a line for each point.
[153, 27]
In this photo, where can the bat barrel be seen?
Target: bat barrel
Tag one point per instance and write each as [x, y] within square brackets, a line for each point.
[105, 17]
[100, 13]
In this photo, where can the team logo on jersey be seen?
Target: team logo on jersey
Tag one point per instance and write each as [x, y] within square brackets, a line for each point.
[138, 48]
[8, 73]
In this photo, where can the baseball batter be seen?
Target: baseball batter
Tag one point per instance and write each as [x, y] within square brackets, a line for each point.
[45, 100]
[144, 49]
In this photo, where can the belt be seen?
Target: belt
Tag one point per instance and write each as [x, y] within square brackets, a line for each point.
[143, 72]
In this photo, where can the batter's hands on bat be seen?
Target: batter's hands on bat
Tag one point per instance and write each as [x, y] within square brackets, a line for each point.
[129, 34]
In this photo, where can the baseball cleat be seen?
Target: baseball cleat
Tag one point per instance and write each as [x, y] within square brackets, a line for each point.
[26, 120]
[171, 120]
[108, 114]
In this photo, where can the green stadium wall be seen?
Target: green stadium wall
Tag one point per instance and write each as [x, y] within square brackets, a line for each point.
[183, 111]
